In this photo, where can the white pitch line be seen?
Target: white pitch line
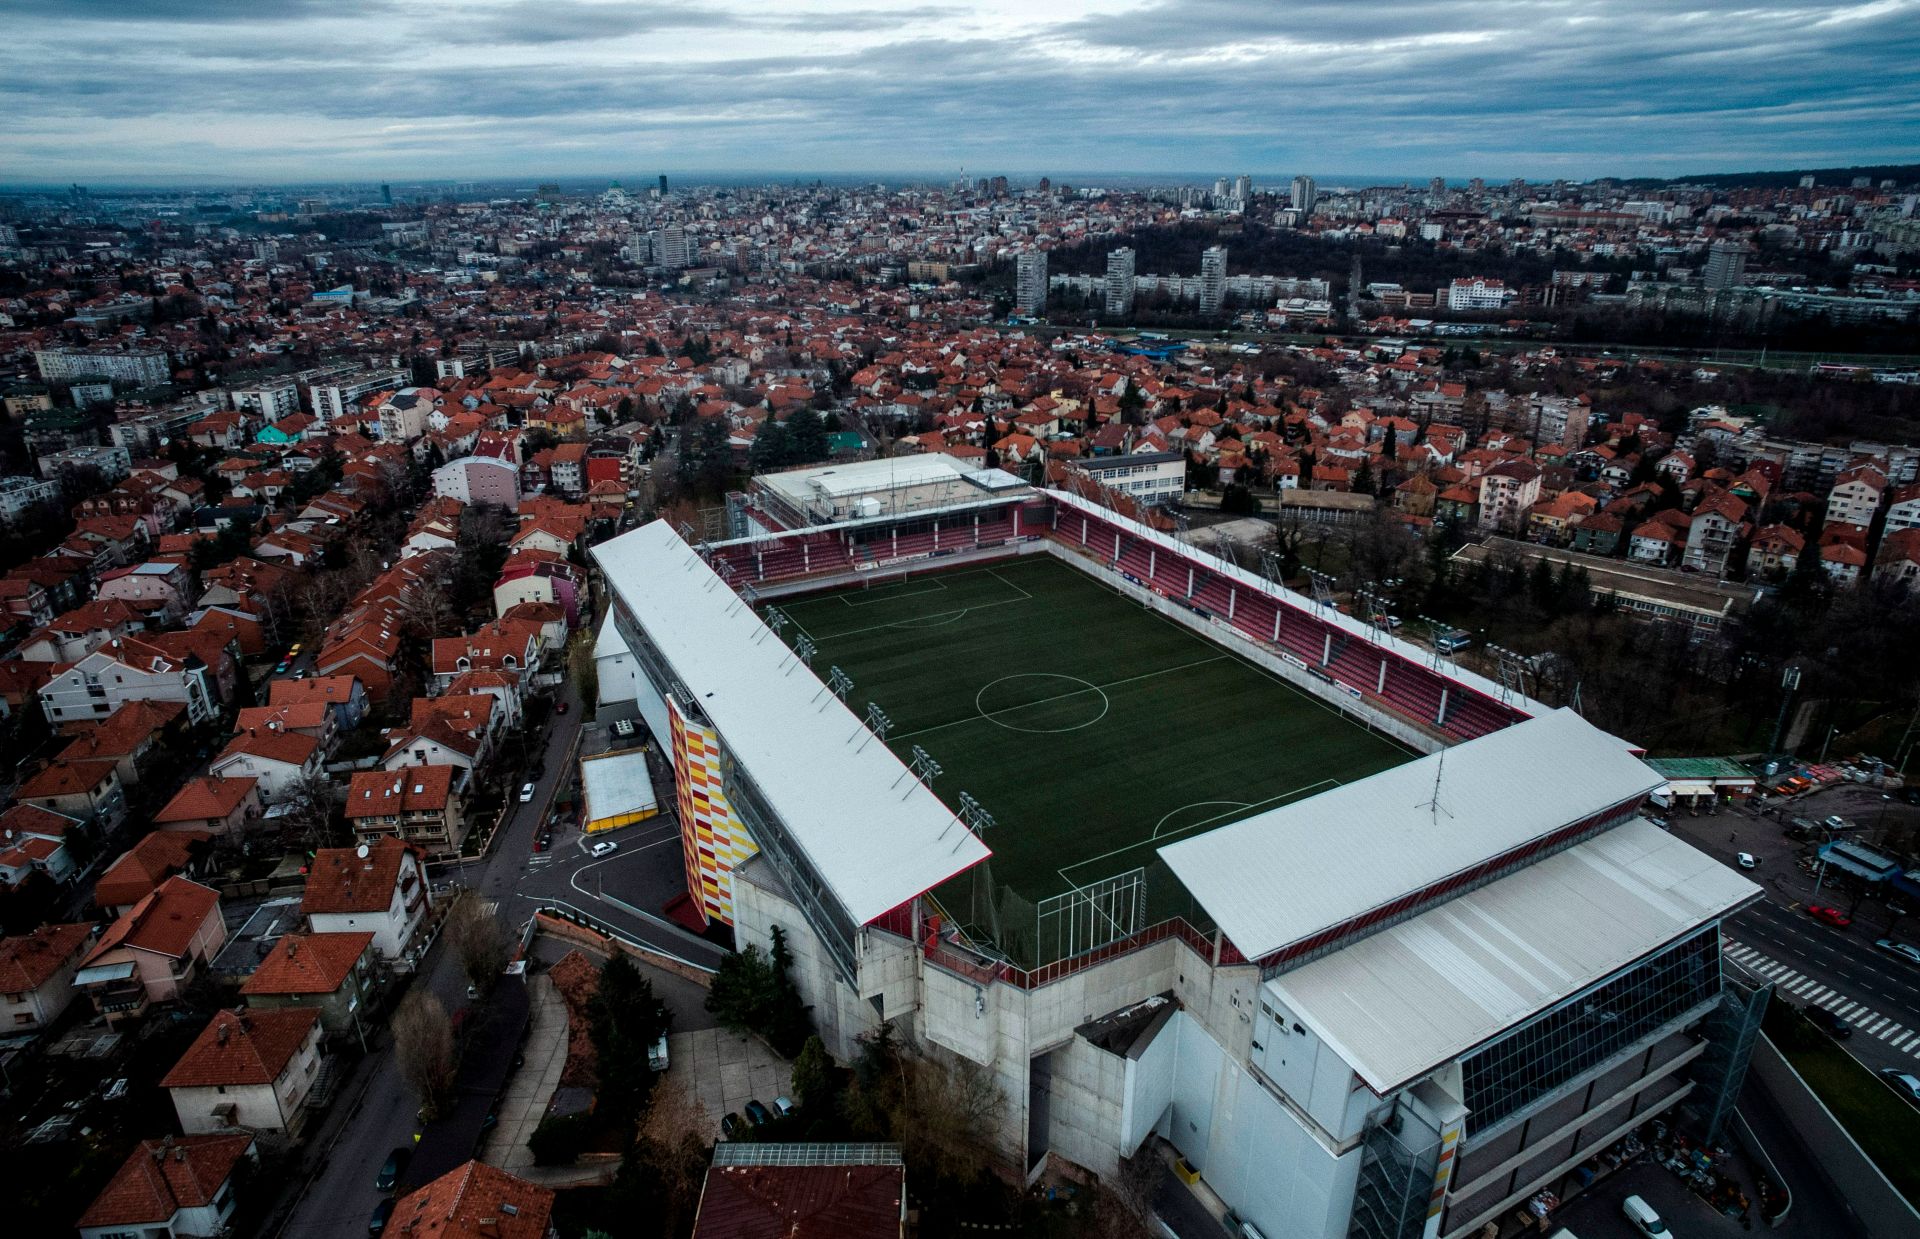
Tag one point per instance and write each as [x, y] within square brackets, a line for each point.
[979, 717]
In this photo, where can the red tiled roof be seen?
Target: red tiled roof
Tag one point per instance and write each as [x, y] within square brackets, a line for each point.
[340, 880]
[243, 1047]
[145, 865]
[475, 1201]
[410, 789]
[162, 1177]
[66, 778]
[206, 797]
[308, 964]
[28, 960]
[164, 922]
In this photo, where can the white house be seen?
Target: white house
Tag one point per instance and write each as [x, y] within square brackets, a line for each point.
[379, 887]
[36, 975]
[123, 671]
[279, 759]
[248, 1069]
[171, 1188]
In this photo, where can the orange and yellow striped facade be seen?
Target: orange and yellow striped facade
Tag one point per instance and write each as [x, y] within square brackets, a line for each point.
[712, 840]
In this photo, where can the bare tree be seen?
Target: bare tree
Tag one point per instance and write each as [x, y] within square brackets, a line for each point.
[949, 1114]
[309, 822]
[479, 941]
[423, 1047]
[676, 1127]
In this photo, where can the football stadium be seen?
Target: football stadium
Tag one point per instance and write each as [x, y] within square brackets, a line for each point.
[1377, 946]
[1086, 728]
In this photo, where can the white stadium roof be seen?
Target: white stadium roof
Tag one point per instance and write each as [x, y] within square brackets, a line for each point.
[875, 836]
[1284, 875]
[1423, 992]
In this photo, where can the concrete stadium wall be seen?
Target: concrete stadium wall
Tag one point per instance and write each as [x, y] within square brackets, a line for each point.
[1223, 634]
[774, 591]
[1879, 1210]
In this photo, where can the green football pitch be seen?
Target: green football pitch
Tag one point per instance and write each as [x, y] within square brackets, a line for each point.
[1092, 729]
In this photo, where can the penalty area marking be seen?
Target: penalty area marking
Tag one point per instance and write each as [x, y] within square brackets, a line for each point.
[1157, 837]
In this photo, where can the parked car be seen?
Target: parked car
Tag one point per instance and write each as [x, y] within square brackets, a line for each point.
[657, 1058]
[758, 1114]
[281, 668]
[1746, 859]
[115, 1089]
[1903, 1082]
[526, 794]
[1904, 950]
[605, 847]
[377, 1224]
[783, 1107]
[730, 1125]
[392, 1169]
[1827, 1022]
[561, 708]
[1836, 823]
[1643, 1218]
[1830, 914]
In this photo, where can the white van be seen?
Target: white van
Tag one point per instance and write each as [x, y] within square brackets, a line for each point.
[1644, 1219]
[657, 1055]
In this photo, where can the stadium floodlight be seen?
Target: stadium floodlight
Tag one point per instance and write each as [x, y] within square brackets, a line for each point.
[776, 619]
[977, 818]
[1322, 587]
[687, 535]
[805, 649]
[923, 768]
[838, 683]
[878, 724]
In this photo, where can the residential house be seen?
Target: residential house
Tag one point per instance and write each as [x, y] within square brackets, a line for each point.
[1856, 496]
[1507, 491]
[536, 576]
[160, 591]
[154, 950]
[1898, 564]
[144, 866]
[344, 694]
[130, 670]
[36, 975]
[1718, 524]
[33, 841]
[1660, 541]
[248, 1069]
[1903, 508]
[475, 1201]
[1774, 549]
[1597, 533]
[1844, 562]
[330, 973]
[280, 760]
[420, 805]
[379, 886]
[88, 791]
[214, 805]
[172, 1188]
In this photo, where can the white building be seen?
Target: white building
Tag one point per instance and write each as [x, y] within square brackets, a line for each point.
[378, 887]
[1150, 478]
[1119, 284]
[269, 401]
[23, 496]
[479, 479]
[338, 399]
[1030, 282]
[1213, 279]
[1304, 195]
[891, 486]
[250, 1069]
[137, 367]
[124, 671]
[1477, 293]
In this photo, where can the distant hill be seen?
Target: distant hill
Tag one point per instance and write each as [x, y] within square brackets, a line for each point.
[1898, 173]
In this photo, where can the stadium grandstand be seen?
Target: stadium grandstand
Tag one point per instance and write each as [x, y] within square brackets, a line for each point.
[1380, 946]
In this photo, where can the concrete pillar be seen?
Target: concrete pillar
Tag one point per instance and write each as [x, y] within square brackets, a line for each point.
[1440, 715]
[1326, 648]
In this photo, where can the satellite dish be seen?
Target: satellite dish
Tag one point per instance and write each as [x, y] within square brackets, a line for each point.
[362, 851]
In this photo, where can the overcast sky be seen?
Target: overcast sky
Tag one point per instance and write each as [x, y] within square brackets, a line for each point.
[263, 90]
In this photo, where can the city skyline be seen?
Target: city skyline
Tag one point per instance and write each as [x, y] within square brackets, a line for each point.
[182, 91]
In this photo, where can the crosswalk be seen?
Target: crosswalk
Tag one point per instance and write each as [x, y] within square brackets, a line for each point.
[1806, 991]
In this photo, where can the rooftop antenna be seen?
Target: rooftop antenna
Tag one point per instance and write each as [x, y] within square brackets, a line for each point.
[1432, 805]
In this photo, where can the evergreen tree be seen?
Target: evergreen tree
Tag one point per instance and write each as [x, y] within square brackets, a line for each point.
[808, 436]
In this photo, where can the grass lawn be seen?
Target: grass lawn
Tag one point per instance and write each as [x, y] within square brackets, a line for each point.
[1879, 1121]
[1092, 729]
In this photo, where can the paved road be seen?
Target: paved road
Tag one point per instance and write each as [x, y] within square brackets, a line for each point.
[1809, 962]
[516, 880]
